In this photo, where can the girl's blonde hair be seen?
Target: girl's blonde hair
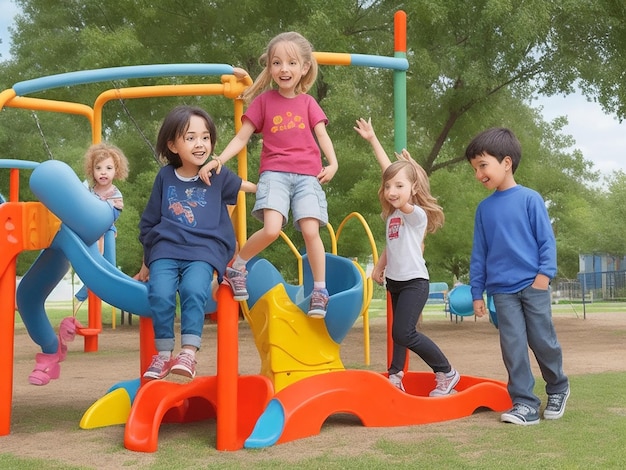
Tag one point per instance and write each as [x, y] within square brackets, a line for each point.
[420, 189]
[301, 48]
[99, 152]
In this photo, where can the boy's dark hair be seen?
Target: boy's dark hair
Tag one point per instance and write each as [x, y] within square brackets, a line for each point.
[498, 142]
[175, 125]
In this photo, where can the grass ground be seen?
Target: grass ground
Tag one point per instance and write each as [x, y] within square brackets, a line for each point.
[45, 434]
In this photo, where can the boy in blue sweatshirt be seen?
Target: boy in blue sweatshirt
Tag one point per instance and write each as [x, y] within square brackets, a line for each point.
[513, 259]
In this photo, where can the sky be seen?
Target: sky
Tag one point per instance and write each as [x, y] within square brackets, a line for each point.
[599, 136]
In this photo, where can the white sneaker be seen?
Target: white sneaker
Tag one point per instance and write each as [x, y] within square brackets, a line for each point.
[445, 383]
[396, 380]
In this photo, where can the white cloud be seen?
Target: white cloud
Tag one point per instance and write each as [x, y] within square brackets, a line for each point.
[599, 136]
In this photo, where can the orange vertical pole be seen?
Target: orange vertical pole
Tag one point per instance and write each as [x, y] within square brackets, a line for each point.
[8, 284]
[14, 185]
[399, 31]
[7, 340]
[7, 306]
[227, 369]
[146, 343]
[94, 315]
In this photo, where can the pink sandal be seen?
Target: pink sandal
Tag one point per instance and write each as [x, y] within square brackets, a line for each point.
[47, 367]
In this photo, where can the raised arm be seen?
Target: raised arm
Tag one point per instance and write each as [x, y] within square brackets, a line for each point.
[366, 130]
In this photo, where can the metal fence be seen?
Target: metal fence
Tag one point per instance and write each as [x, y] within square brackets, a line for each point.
[590, 287]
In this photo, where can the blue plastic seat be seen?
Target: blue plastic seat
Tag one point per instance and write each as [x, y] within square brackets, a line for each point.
[343, 282]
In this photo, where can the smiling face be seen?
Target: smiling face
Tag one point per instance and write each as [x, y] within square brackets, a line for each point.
[287, 68]
[193, 147]
[492, 173]
[398, 190]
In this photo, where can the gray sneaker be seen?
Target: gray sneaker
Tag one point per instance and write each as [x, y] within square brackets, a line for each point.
[445, 383]
[237, 282]
[556, 405]
[521, 414]
[396, 380]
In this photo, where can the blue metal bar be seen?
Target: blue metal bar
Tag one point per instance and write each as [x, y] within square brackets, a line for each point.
[118, 73]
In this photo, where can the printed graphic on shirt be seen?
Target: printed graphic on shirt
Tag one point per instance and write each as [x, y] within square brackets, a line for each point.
[289, 121]
[393, 231]
[182, 210]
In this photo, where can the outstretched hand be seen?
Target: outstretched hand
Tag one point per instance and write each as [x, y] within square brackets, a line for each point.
[365, 129]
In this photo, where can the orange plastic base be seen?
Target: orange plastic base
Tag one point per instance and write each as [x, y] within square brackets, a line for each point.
[161, 401]
[369, 396]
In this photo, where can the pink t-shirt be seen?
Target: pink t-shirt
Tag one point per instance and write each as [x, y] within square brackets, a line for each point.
[287, 124]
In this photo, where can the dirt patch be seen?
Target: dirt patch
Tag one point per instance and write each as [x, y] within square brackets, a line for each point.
[592, 345]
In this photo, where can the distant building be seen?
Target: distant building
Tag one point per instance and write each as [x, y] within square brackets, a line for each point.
[602, 276]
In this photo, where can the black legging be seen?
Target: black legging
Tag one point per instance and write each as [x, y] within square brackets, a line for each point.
[407, 300]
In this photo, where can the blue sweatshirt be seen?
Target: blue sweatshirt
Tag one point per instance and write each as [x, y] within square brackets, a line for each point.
[513, 242]
[188, 220]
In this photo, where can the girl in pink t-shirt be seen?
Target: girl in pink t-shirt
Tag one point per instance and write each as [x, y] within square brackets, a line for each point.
[293, 126]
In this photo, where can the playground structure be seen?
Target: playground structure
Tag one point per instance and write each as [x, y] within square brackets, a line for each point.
[302, 380]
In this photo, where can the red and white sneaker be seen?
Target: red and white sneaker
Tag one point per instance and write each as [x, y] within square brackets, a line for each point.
[184, 364]
[158, 368]
[318, 304]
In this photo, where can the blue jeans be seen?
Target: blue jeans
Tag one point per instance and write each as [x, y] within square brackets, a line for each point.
[407, 302]
[525, 320]
[192, 281]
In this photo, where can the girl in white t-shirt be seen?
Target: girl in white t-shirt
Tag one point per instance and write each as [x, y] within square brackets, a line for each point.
[409, 211]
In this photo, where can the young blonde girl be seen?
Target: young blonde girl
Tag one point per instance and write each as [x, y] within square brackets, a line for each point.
[293, 126]
[103, 164]
[410, 211]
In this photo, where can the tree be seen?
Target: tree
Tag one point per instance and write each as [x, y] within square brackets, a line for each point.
[473, 65]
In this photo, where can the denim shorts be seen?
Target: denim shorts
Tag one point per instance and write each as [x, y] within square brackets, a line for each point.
[281, 191]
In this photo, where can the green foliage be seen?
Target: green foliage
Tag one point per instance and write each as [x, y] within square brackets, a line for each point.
[473, 65]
